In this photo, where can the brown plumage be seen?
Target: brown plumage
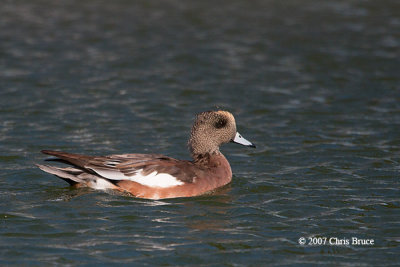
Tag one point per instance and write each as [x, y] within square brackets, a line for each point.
[157, 176]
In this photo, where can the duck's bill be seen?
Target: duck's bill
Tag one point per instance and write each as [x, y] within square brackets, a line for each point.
[240, 140]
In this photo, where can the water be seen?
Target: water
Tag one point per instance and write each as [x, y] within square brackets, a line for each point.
[315, 84]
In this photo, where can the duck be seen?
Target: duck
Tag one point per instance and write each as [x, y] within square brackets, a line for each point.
[156, 176]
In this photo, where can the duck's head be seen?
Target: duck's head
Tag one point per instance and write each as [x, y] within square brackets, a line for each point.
[212, 129]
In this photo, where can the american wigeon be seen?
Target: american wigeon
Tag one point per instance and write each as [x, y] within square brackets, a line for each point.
[155, 176]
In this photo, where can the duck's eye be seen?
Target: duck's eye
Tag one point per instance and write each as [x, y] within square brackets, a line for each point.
[220, 123]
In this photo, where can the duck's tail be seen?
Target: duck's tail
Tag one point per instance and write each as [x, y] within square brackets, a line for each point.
[78, 177]
[69, 174]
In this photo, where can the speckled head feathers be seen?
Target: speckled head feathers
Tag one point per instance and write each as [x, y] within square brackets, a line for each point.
[210, 130]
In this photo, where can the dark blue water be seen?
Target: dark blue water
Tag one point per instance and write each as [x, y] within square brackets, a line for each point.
[315, 84]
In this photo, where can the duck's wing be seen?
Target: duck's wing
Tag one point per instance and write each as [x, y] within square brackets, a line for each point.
[147, 169]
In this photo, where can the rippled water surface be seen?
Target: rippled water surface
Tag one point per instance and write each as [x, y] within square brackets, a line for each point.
[315, 84]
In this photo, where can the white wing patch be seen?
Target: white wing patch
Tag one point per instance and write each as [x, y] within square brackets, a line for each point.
[156, 179]
[153, 179]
